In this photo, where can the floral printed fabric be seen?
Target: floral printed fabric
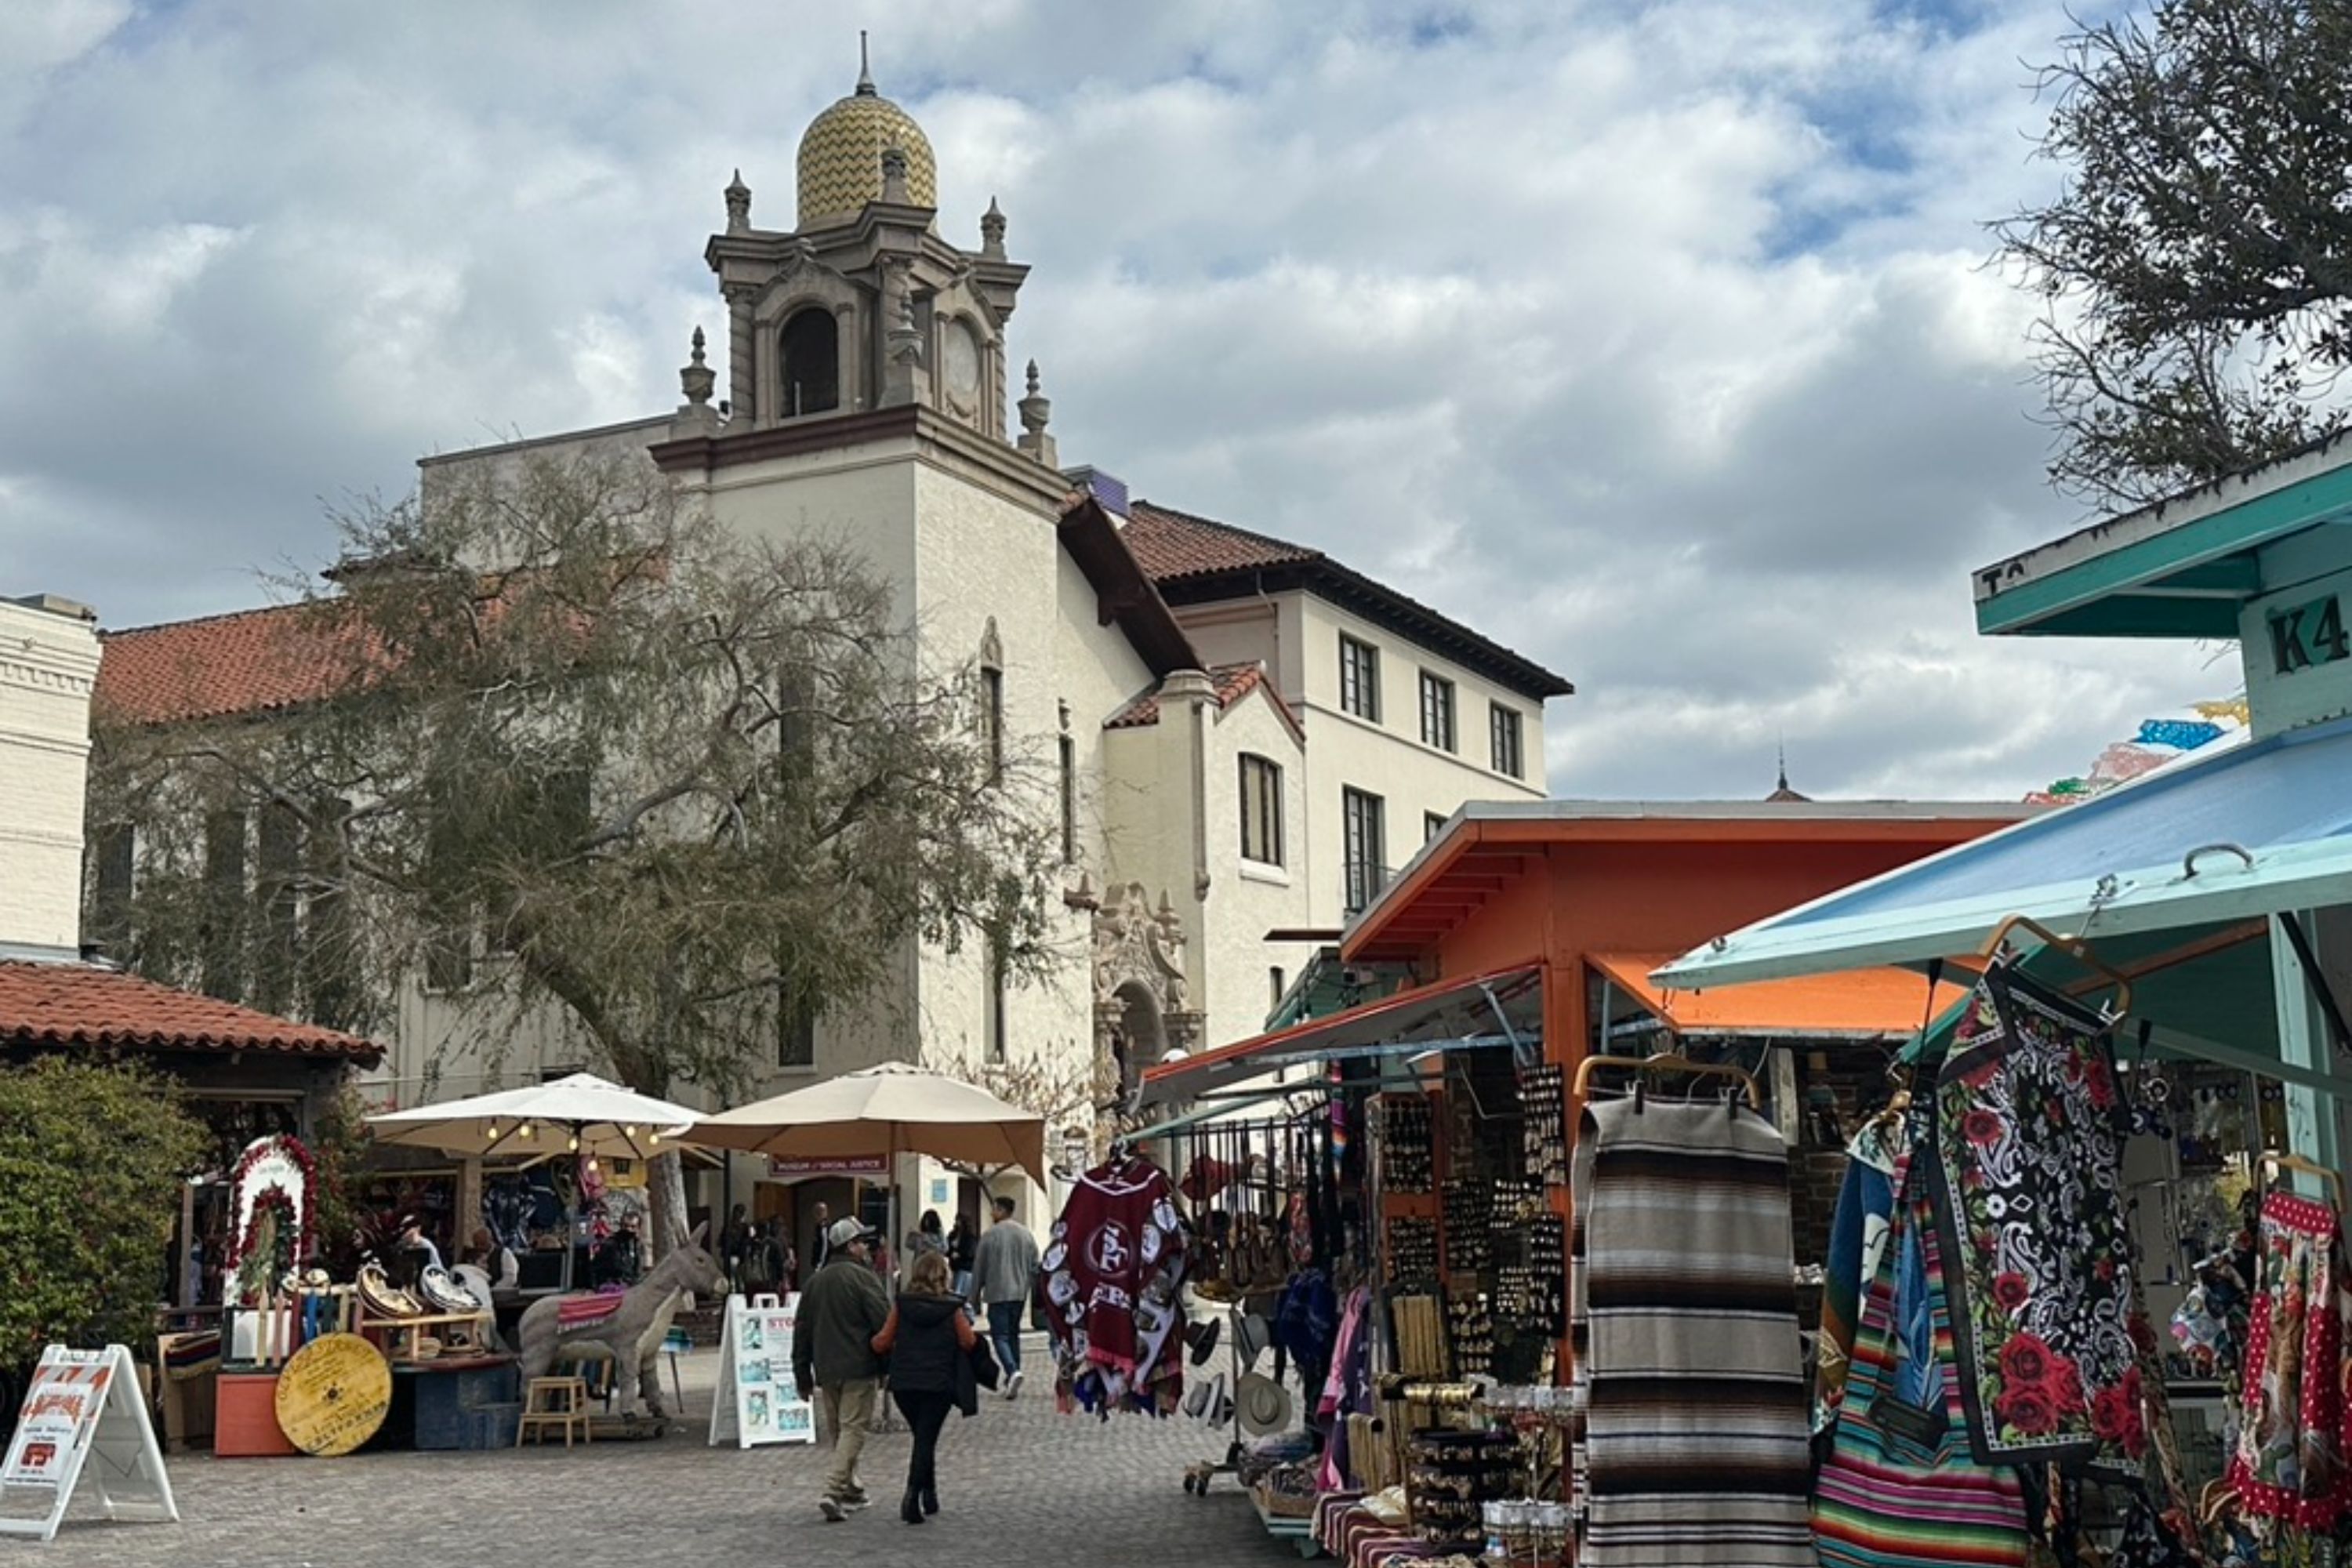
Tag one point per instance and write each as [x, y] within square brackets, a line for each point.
[2029, 1149]
[2289, 1463]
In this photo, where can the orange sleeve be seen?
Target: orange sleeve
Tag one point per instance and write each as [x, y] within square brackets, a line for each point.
[965, 1338]
[889, 1334]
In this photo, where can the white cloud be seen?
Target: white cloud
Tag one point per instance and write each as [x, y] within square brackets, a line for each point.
[1647, 335]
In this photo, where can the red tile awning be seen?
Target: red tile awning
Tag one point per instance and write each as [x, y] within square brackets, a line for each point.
[61, 1004]
[1424, 1017]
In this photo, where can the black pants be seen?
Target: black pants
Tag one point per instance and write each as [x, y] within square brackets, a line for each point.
[926, 1414]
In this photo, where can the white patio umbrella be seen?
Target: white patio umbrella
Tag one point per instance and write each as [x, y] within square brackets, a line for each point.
[579, 1114]
[889, 1109]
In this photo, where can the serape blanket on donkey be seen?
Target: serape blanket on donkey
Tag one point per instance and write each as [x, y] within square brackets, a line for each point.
[1695, 1432]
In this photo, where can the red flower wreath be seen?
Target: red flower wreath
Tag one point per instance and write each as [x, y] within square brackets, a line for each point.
[273, 1197]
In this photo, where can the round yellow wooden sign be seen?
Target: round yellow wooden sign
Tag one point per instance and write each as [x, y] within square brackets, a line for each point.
[334, 1395]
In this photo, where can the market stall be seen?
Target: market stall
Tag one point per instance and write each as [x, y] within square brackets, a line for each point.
[2140, 1101]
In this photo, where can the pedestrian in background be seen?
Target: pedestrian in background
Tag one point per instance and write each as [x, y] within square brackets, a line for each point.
[1005, 1264]
[834, 1357]
[962, 1238]
[929, 1340]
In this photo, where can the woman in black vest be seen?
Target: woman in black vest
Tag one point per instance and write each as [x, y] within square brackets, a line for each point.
[929, 1340]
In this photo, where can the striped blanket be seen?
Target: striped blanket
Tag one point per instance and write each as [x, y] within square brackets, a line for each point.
[1695, 1423]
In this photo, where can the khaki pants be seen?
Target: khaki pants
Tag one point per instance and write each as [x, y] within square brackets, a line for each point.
[846, 1410]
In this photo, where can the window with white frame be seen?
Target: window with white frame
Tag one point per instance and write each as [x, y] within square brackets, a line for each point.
[1360, 678]
[1363, 826]
[1436, 711]
[1261, 811]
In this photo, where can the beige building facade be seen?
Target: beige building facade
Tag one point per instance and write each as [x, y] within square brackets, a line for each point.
[1241, 735]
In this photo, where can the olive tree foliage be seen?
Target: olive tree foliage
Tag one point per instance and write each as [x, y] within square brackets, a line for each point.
[2196, 264]
[684, 788]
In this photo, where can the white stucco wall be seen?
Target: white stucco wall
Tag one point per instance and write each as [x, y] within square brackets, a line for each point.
[1390, 759]
[1247, 899]
[48, 663]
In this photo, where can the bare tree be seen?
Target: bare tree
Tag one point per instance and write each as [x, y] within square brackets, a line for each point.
[2197, 265]
[686, 790]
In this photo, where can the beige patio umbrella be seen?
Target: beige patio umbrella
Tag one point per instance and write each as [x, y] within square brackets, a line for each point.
[889, 1109]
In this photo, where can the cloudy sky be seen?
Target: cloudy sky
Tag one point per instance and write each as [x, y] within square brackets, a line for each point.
[1654, 339]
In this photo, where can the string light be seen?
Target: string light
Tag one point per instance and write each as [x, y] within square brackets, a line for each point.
[591, 1164]
[655, 1139]
[525, 1131]
[573, 1147]
[494, 1129]
[629, 1131]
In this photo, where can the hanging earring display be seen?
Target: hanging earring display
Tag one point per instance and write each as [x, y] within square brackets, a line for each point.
[1471, 1330]
[1543, 1103]
[1408, 1144]
[1412, 1250]
[1469, 1224]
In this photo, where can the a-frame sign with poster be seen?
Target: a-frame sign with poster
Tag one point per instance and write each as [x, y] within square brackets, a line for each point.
[82, 1417]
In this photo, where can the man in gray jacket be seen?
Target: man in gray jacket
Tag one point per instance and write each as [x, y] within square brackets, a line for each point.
[1005, 1268]
[843, 1308]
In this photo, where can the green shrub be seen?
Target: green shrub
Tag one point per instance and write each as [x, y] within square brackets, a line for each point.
[91, 1159]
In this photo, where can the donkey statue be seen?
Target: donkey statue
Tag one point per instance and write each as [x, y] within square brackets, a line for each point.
[631, 1333]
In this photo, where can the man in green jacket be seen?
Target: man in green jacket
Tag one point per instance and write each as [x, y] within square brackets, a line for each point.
[843, 1308]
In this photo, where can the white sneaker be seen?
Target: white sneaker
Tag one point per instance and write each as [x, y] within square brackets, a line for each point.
[1013, 1385]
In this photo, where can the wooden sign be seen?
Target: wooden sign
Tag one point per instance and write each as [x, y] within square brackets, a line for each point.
[334, 1395]
[755, 1401]
[83, 1406]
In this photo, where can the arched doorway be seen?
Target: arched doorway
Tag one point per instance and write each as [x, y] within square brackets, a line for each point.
[811, 378]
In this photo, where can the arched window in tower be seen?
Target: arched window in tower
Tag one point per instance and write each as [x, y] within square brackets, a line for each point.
[811, 367]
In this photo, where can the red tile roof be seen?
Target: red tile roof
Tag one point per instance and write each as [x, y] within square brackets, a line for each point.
[77, 1004]
[254, 662]
[1234, 682]
[1198, 560]
[1173, 545]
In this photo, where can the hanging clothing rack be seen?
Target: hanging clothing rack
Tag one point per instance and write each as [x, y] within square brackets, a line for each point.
[1668, 1061]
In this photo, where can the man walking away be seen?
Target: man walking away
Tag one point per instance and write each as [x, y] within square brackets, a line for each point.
[1006, 1264]
[843, 1308]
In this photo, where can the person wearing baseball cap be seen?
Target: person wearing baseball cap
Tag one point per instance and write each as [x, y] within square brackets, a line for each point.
[834, 1360]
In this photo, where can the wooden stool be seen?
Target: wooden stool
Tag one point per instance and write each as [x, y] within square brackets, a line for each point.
[555, 1401]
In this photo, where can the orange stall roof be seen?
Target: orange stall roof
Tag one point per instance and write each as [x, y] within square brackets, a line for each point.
[1859, 1005]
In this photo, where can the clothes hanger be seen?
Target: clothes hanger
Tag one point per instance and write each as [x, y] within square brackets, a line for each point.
[1668, 1061]
[2275, 1160]
[2073, 947]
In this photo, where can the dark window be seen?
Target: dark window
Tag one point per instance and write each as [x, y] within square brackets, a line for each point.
[811, 367]
[795, 1035]
[1360, 678]
[1275, 982]
[114, 850]
[1069, 800]
[277, 950]
[330, 936]
[997, 1031]
[1432, 825]
[1261, 811]
[1503, 723]
[1437, 710]
[992, 720]
[1362, 822]
[221, 942]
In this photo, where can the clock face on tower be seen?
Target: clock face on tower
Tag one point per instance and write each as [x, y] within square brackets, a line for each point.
[959, 364]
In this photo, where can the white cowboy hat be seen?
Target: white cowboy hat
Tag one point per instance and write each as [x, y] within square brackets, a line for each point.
[1264, 1405]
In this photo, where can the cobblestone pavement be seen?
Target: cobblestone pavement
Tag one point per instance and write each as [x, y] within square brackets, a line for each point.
[1019, 1484]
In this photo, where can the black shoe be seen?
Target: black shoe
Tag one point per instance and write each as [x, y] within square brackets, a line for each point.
[911, 1508]
[931, 1500]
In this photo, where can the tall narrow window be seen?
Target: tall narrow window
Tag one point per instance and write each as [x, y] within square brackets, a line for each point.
[1504, 726]
[221, 941]
[1364, 833]
[1436, 711]
[991, 722]
[1261, 811]
[795, 1033]
[1279, 987]
[1069, 800]
[1360, 678]
[811, 382]
[277, 952]
[330, 936]
[1432, 825]
[114, 854]
[995, 1031]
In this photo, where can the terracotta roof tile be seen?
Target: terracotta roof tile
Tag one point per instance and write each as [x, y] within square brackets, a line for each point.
[1173, 545]
[1234, 681]
[77, 1004]
[254, 662]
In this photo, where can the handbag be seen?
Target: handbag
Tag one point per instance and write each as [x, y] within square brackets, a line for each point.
[1900, 1488]
[984, 1369]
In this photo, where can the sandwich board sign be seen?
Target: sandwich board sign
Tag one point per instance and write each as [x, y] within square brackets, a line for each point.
[755, 1401]
[82, 1417]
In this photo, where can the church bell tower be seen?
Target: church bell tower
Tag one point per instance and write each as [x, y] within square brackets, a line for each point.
[861, 305]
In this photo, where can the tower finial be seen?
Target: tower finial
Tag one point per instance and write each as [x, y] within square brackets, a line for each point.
[739, 204]
[865, 70]
[1783, 752]
[1036, 410]
[992, 231]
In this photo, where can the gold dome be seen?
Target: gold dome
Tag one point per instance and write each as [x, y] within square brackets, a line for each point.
[841, 156]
